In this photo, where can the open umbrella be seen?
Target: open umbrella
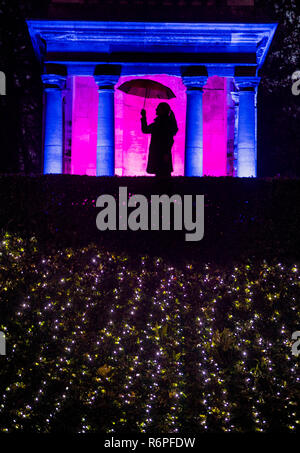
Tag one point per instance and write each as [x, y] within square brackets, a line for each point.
[147, 88]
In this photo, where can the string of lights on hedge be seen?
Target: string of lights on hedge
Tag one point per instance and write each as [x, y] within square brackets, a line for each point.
[104, 342]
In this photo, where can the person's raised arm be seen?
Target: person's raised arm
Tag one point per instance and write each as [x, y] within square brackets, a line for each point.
[145, 128]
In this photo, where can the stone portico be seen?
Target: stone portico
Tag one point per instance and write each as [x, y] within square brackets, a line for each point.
[195, 53]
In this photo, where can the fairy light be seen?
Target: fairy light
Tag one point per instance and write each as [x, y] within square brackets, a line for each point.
[156, 346]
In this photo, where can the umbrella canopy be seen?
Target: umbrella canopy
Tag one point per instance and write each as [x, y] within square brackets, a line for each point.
[147, 88]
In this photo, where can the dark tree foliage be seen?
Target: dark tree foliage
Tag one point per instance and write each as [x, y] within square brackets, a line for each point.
[279, 109]
[21, 126]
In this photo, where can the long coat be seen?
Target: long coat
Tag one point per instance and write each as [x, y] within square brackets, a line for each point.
[162, 131]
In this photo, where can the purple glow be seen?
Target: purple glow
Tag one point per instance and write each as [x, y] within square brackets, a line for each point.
[84, 126]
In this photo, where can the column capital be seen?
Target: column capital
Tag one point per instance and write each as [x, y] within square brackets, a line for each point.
[53, 81]
[247, 83]
[106, 81]
[194, 82]
[235, 97]
[107, 75]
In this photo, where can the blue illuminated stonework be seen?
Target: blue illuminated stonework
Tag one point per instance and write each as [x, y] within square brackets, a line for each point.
[53, 129]
[233, 50]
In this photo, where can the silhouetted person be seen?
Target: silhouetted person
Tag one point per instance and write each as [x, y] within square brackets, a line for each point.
[162, 131]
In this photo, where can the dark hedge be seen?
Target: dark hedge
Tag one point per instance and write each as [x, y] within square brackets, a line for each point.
[143, 331]
[98, 341]
[244, 217]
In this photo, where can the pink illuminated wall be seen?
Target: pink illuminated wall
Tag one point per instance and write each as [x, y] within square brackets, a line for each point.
[84, 126]
[131, 144]
[215, 127]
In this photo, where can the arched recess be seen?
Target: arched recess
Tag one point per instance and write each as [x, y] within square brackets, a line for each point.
[131, 144]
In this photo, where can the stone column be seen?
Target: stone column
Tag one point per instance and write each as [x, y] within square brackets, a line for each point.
[246, 159]
[53, 128]
[106, 125]
[194, 125]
